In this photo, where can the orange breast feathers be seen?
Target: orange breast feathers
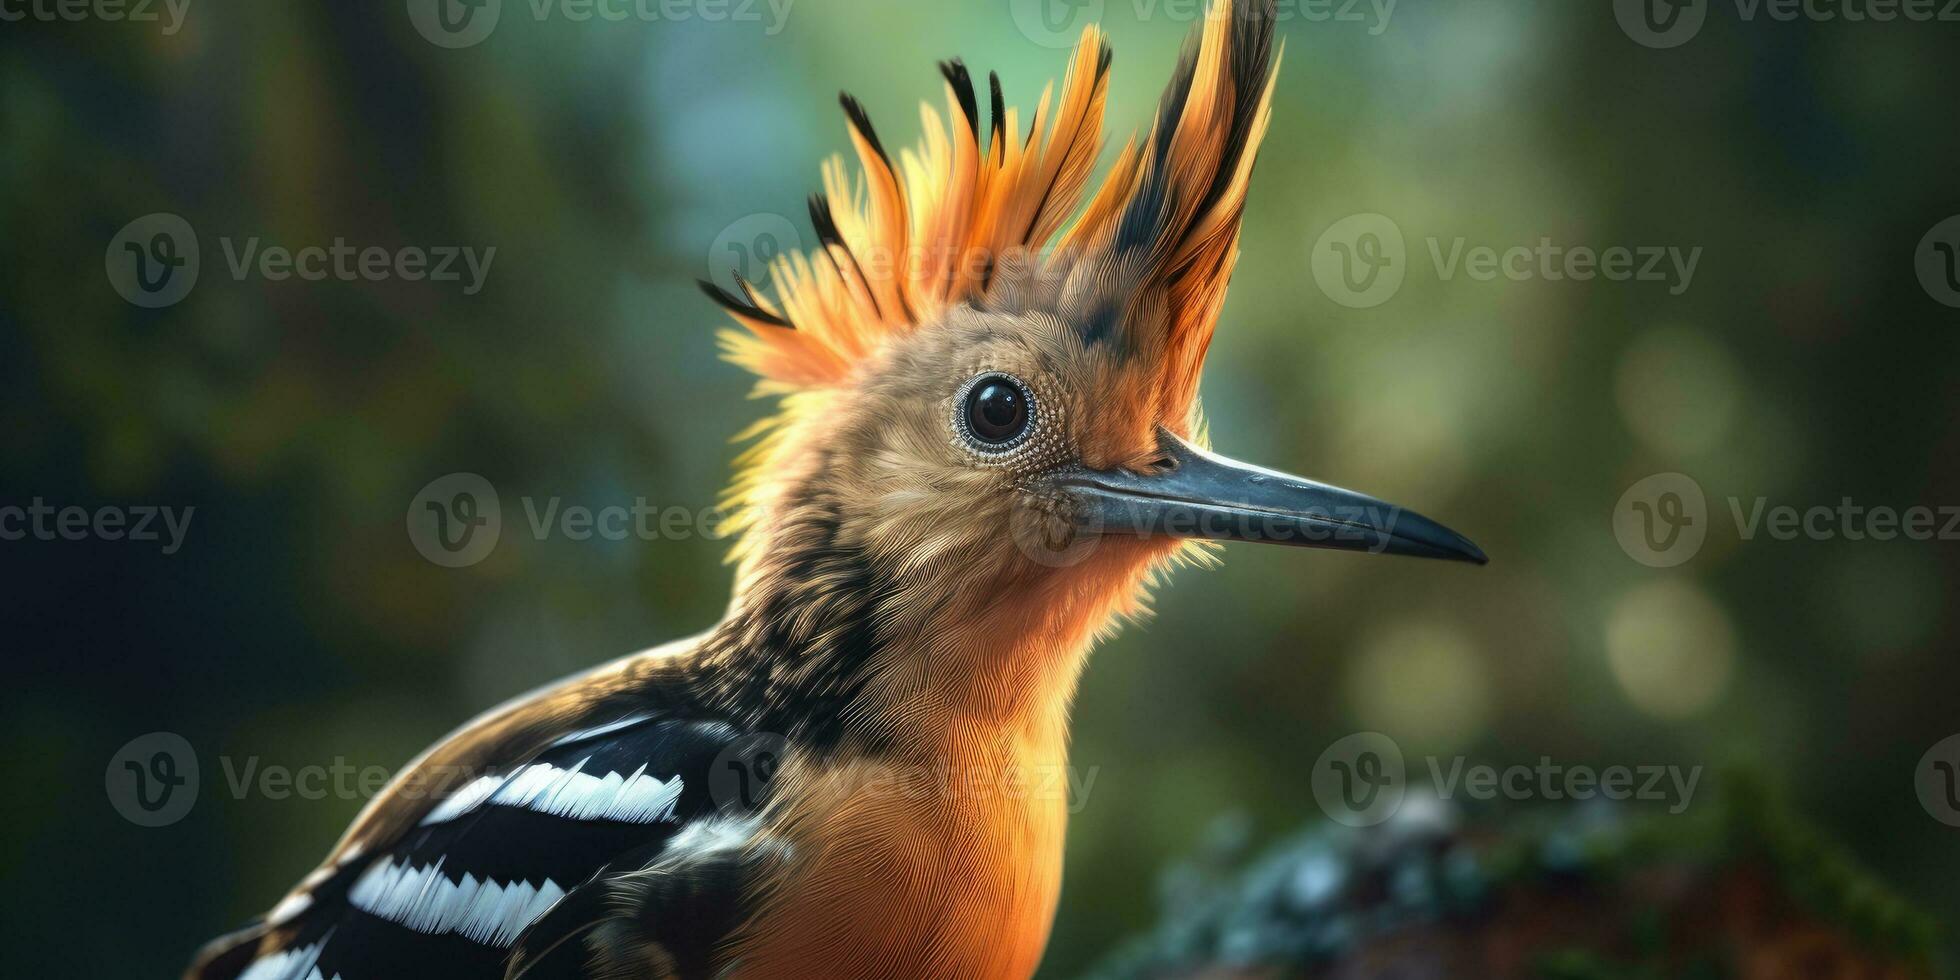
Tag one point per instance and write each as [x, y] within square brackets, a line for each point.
[932, 867]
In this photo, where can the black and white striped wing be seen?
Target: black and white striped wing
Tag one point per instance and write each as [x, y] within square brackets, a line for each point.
[451, 898]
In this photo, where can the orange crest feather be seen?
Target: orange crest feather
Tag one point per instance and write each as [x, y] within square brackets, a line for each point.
[901, 240]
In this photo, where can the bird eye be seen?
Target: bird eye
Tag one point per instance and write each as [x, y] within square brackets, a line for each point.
[995, 412]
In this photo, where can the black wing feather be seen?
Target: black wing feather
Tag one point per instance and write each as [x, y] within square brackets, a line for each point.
[507, 843]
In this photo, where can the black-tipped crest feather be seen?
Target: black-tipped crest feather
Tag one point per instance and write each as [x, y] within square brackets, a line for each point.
[861, 121]
[741, 307]
[995, 144]
[962, 83]
[1143, 222]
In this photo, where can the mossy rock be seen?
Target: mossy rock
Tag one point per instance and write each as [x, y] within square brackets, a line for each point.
[1736, 887]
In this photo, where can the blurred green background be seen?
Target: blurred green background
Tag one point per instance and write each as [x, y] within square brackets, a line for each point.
[604, 161]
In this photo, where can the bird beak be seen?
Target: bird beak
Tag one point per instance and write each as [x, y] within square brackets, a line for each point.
[1204, 495]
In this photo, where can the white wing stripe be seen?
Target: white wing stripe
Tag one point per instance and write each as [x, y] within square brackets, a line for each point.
[463, 800]
[288, 964]
[425, 900]
[598, 730]
[545, 788]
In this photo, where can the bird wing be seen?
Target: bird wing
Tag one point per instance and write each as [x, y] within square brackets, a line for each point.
[446, 884]
[659, 912]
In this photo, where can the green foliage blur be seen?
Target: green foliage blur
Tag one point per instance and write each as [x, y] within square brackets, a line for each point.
[299, 626]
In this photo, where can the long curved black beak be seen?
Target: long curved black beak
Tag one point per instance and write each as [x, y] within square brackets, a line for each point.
[1198, 494]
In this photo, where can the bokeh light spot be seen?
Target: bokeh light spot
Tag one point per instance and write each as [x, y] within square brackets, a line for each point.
[1421, 682]
[1671, 648]
[1678, 390]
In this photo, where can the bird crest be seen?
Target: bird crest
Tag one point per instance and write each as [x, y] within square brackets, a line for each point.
[903, 238]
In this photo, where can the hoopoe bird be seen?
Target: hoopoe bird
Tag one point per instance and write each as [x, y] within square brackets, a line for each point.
[988, 446]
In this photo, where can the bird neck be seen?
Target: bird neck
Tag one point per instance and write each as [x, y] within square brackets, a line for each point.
[822, 644]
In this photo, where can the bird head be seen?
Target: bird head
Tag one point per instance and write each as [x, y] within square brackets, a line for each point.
[989, 374]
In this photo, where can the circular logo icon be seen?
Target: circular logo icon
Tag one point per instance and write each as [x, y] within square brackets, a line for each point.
[740, 778]
[455, 520]
[1049, 538]
[1937, 781]
[1054, 23]
[454, 23]
[1937, 260]
[152, 780]
[1661, 24]
[747, 247]
[1360, 780]
[1662, 520]
[152, 261]
[1360, 260]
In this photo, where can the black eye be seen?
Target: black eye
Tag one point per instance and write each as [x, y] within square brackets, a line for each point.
[995, 412]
